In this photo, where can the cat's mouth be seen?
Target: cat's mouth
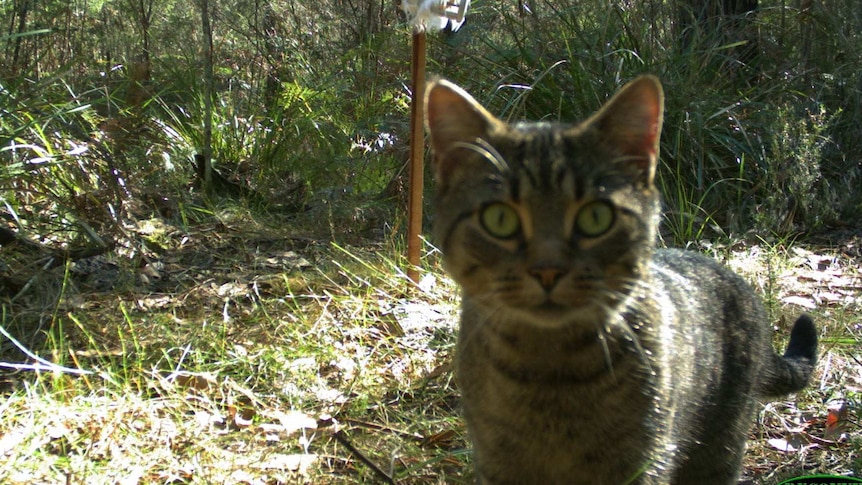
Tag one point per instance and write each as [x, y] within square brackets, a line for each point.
[548, 306]
[552, 311]
[550, 314]
[567, 303]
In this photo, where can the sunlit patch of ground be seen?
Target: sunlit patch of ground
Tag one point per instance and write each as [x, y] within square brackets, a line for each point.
[263, 359]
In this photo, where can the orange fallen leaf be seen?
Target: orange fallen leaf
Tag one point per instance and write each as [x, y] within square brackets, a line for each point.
[836, 421]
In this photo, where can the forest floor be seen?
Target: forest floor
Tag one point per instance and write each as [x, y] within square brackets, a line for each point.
[243, 352]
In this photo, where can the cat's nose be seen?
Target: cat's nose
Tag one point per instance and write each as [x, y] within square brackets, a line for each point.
[547, 275]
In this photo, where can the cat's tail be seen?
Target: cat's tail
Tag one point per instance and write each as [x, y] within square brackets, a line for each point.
[791, 372]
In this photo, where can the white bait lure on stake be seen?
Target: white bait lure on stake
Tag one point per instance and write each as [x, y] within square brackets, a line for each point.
[435, 14]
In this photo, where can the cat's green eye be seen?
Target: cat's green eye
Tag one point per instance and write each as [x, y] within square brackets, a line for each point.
[595, 218]
[500, 220]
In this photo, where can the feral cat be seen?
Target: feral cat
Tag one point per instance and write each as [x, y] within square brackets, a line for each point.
[585, 354]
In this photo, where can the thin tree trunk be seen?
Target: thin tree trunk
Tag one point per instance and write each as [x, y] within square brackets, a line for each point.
[705, 24]
[208, 92]
[146, 14]
[23, 9]
[274, 59]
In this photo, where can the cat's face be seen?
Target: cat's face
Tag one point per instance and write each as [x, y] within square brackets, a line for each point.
[551, 224]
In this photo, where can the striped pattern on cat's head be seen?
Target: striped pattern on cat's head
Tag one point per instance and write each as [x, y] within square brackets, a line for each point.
[540, 219]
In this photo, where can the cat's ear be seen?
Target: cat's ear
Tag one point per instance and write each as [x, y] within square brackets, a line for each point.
[454, 120]
[631, 122]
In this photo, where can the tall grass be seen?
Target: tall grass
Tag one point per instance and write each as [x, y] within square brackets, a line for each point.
[337, 120]
[733, 104]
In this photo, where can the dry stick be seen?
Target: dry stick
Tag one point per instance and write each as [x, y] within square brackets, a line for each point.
[379, 427]
[417, 154]
[41, 364]
[339, 436]
[27, 286]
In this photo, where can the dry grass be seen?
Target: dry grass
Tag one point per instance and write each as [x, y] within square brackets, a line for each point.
[797, 436]
[249, 355]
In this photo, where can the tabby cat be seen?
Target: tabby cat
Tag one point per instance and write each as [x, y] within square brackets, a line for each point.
[585, 354]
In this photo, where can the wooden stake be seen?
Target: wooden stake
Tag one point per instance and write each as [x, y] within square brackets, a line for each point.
[417, 157]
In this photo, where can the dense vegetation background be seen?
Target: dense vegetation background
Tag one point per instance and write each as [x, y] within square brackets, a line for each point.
[111, 111]
[106, 102]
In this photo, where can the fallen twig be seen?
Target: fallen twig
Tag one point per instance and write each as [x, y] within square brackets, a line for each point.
[339, 436]
[41, 364]
[403, 434]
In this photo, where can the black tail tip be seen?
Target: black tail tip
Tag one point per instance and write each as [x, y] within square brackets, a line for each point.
[803, 340]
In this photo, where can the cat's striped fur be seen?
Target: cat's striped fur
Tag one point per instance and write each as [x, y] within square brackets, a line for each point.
[586, 355]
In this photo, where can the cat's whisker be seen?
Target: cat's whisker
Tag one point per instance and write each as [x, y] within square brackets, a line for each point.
[489, 313]
[618, 161]
[603, 340]
[632, 337]
[487, 152]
